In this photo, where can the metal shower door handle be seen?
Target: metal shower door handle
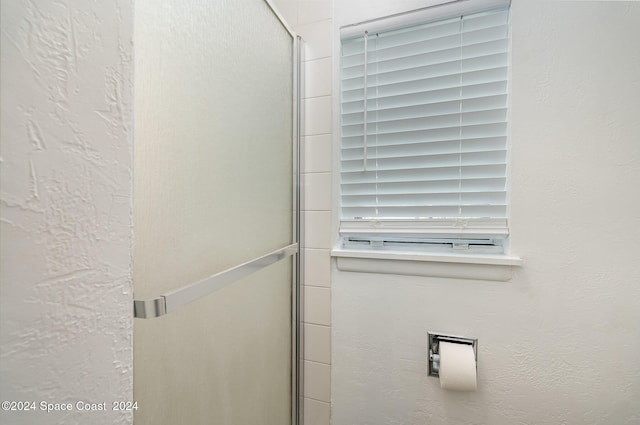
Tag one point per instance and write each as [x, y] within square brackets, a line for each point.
[170, 301]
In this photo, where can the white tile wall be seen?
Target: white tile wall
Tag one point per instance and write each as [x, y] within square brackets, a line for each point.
[317, 115]
[318, 36]
[314, 11]
[317, 263]
[317, 153]
[315, 27]
[318, 77]
[318, 229]
[316, 412]
[317, 343]
[318, 186]
[317, 383]
[317, 305]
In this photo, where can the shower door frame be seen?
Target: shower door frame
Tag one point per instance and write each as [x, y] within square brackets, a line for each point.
[297, 336]
[297, 290]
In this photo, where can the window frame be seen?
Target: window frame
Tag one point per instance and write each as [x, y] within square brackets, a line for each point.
[386, 236]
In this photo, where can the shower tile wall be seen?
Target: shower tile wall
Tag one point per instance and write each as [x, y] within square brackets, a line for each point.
[312, 21]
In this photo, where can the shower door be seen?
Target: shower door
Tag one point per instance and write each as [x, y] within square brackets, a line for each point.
[214, 203]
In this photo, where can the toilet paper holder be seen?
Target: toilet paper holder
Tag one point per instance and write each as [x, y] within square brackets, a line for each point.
[434, 349]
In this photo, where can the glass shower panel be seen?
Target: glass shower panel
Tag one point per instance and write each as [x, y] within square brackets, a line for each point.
[213, 189]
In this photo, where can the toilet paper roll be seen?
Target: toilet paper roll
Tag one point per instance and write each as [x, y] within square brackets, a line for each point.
[457, 367]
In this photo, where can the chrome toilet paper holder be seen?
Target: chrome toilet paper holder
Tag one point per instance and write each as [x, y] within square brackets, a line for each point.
[434, 349]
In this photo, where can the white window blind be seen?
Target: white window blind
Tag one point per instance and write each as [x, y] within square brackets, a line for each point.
[424, 127]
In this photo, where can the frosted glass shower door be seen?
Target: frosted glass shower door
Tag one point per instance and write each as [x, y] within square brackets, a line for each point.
[214, 189]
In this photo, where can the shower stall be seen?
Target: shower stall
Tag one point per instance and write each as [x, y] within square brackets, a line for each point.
[216, 214]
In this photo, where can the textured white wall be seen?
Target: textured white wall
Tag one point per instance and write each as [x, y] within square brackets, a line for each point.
[65, 197]
[560, 342]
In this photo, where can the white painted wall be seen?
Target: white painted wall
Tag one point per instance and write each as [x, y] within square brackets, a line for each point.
[66, 181]
[560, 342]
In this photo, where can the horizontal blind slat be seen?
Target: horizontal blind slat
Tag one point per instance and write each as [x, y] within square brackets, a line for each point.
[354, 90]
[385, 112]
[477, 111]
[426, 212]
[425, 187]
[429, 148]
[427, 161]
[431, 199]
[424, 174]
[435, 131]
[428, 122]
[466, 93]
[443, 69]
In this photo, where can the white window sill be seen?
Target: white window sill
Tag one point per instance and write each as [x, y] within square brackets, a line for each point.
[481, 267]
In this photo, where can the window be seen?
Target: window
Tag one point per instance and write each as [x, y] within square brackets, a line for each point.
[424, 130]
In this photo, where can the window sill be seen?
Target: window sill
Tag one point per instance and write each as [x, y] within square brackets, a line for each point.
[480, 267]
